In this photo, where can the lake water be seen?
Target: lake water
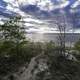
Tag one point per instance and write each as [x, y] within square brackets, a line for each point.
[38, 37]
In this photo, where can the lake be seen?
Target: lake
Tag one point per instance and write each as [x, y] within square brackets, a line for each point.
[46, 37]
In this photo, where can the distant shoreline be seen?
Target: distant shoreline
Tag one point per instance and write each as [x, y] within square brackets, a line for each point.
[48, 33]
[47, 37]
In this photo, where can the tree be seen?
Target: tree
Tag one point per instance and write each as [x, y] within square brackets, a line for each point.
[61, 23]
[12, 34]
[12, 30]
[77, 45]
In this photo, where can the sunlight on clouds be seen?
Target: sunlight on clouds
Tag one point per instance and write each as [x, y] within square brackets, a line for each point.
[31, 19]
[12, 3]
[76, 4]
[43, 4]
[14, 7]
[37, 25]
[24, 2]
[46, 5]
[43, 30]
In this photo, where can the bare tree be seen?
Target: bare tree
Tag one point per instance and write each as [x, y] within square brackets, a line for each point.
[61, 25]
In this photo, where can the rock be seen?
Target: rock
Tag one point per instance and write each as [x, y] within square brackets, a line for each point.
[70, 57]
[37, 66]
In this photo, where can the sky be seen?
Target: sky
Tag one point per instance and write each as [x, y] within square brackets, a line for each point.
[40, 16]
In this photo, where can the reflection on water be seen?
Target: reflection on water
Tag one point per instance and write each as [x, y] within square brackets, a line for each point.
[70, 38]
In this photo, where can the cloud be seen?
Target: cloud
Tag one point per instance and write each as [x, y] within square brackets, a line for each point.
[39, 8]
[46, 5]
[77, 3]
[42, 30]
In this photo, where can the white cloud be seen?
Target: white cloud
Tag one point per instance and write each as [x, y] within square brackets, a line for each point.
[64, 4]
[12, 2]
[33, 20]
[72, 10]
[1, 7]
[43, 30]
[12, 5]
[42, 26]
[77, 31]
[77, 3]
[1, 22]
[28, 24]
[61, 4]
[1, 19]
[24, 2]
[46, 5]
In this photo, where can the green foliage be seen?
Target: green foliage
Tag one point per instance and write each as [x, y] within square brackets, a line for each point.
[11, 36]
[63, 69]
[77, 46]
[11, 30]
[6, 47]
[15, 51]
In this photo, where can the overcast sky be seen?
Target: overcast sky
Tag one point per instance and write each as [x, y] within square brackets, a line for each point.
[39, 14]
